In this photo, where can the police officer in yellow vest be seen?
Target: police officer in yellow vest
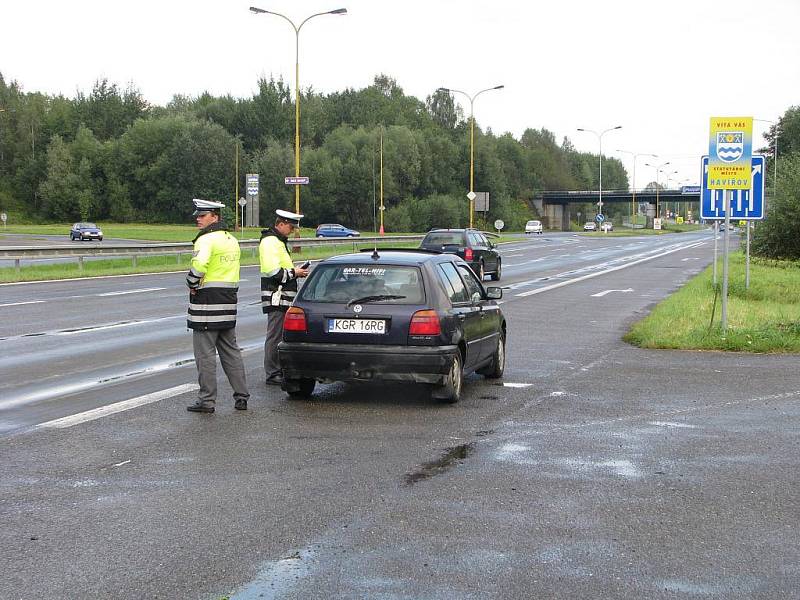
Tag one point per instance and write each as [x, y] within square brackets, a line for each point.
[213, 281]
[278, 285]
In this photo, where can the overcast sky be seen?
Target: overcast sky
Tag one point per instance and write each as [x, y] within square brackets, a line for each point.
[659, 69]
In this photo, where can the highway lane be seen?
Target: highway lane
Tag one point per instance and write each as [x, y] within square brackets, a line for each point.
[594, 470]
[74, 345]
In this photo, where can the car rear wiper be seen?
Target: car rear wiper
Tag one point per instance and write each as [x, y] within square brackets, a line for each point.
[366, 299]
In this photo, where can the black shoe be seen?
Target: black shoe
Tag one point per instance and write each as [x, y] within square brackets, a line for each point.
[275, 380]
[240, 404]
[200, 407]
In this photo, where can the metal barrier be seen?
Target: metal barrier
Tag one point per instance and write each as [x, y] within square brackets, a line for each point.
[19, 253]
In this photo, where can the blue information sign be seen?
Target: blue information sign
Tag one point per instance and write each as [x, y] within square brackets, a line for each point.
[745, 204]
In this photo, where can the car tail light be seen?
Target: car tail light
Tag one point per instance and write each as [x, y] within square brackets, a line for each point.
[468, 255]
[425, 322]
[295, 320]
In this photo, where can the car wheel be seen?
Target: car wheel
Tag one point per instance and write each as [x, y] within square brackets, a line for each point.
[100, 239]
[319, 235]
[350, 235]
[451, 390]
[71, 238]
[496, 275]
[494, 370]
[299, 388]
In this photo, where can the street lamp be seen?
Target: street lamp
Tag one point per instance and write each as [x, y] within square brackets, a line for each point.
[658, 170]
[635, 156]
[600, 140]
[471, 141]
[338, 11]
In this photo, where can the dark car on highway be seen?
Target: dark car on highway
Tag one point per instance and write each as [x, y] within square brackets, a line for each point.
[398, 315]
[85, 231]
[471, 245]
[335, 230]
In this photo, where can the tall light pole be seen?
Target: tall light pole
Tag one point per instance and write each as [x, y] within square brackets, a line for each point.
[600, 140]
[658, 169]
[471, 141]
[338, 11]
[635, 156]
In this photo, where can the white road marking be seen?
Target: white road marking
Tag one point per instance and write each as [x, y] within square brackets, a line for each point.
[606, 292]
[610, 270]
[104, 411]
[670, 425]
[122, 293]
[691, 258]
[21, 303]
[124, 462]
[517, 385]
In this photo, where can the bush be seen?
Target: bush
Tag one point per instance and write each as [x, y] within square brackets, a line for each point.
[776, 237]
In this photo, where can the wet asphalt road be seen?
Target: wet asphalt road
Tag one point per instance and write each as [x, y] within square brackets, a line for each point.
[597, 470]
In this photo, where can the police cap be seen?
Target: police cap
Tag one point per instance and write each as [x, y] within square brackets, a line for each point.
[202, 206]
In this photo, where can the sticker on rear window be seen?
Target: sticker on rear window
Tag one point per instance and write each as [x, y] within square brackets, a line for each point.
[371, 271]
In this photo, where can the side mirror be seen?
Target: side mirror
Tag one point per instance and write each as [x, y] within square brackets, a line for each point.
[494, 293]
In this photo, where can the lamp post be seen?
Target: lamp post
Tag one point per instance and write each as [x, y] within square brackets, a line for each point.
[658, 170]
[471, 141]
[338, 11]
[635, 156]
[600, 140]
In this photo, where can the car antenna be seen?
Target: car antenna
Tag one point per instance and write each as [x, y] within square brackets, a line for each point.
[375, 255]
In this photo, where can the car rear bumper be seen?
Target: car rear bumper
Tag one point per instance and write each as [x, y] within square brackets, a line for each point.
[348, 362]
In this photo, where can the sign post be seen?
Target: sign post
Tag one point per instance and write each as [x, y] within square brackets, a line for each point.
[242, 203]
[252, 200]
[730, 150]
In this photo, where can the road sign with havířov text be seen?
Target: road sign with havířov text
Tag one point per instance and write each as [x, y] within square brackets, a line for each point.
[730, 146]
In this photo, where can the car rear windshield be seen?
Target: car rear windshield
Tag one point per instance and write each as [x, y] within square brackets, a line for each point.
[444, 238]
[87, 226]
[343, 283]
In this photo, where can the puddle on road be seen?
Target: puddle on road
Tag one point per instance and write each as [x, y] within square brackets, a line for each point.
[447, 461]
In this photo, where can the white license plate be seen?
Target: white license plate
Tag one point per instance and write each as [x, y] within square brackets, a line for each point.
[356, 326]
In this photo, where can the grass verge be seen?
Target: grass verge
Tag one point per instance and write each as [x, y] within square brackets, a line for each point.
[764, 318]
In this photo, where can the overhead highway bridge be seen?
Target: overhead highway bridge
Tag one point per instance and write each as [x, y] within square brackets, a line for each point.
[556, 206]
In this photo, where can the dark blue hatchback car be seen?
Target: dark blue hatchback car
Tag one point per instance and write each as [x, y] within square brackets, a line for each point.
[393, 315]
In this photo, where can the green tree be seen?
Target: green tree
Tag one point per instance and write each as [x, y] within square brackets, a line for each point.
[776, 237]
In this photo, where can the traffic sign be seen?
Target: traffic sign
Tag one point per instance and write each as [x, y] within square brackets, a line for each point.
[600, 217]
[295, 180]
[745, 204]
[690, 189]
[730, 147]
[242, 202]
[3, 217]
[499, 224]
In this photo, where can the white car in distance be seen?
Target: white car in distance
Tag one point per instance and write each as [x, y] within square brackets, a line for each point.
[533, 227]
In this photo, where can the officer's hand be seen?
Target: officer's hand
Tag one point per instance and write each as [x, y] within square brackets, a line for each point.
[300, 272]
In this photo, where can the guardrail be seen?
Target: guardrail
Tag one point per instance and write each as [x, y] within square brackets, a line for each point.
[19, 253]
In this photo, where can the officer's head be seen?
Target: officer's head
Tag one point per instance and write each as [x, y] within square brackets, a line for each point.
[286, 221]
[206, 212]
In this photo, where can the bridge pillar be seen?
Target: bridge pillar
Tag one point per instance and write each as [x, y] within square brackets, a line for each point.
[557, 216]
[651, 213]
